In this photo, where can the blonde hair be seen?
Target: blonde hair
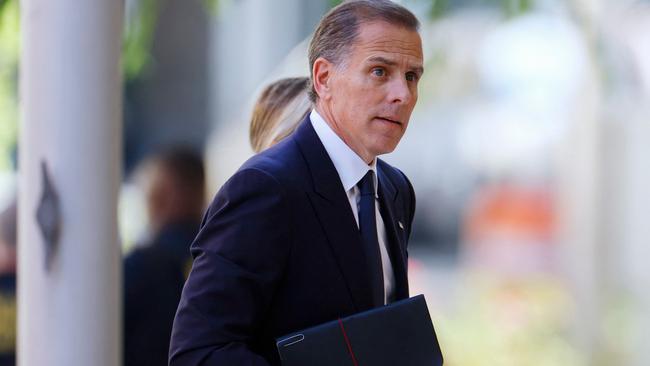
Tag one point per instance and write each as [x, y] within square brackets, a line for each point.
[282, 105]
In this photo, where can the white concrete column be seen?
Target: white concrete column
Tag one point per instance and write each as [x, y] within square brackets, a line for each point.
[628, 218]
[70, 88]
[579, 172]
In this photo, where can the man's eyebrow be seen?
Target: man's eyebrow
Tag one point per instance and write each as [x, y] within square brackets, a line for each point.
[382, 60]
[418, 70]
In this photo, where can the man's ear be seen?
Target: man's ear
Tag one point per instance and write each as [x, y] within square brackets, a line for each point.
[322, 76]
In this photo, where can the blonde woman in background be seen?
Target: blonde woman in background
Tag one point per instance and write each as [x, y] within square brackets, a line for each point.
[278, 111]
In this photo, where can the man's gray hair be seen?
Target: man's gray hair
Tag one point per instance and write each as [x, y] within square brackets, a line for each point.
[339, 28]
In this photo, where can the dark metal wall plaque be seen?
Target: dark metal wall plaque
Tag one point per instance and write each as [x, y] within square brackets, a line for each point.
[48, 217]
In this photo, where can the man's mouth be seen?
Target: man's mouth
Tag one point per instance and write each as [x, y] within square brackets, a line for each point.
[390, 120]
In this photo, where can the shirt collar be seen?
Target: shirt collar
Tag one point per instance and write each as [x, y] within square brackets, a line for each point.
[348, 164]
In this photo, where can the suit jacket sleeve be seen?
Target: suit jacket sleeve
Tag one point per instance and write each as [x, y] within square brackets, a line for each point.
[239, 256]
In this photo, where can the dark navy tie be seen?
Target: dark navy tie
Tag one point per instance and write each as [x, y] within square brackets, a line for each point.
[368, 228]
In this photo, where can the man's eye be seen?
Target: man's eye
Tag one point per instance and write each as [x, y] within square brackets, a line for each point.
[411, 76]
[378, 71]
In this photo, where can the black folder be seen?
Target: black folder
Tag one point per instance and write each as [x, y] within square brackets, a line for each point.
[398, 334]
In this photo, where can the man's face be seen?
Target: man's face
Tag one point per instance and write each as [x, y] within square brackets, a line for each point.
[373, 91]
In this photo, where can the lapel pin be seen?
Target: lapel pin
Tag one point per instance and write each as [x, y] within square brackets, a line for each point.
[401, 226]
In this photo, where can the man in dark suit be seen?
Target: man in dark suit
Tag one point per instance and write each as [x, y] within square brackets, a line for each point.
[316, 227]
[154, 273]
[8, 228]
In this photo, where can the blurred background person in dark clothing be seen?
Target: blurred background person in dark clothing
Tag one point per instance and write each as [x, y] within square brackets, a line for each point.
[8, 286]
[280, 108]
[155, 272]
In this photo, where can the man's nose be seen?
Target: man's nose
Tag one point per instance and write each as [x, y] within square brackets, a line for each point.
[400, 92]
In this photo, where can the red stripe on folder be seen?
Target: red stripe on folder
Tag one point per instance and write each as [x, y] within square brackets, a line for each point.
[347, 341]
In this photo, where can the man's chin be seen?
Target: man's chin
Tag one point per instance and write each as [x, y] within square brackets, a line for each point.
[385, 150]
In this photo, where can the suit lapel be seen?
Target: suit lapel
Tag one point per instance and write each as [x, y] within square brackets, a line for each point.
[387, 198]
[335, 215]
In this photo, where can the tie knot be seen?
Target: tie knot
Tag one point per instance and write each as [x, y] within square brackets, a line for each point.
[367, 184]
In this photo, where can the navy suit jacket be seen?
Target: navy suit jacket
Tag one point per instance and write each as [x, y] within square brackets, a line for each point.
[279, 250]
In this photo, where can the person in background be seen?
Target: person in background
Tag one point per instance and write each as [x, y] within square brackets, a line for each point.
[154, 273]
[8, 229]
[278, 111]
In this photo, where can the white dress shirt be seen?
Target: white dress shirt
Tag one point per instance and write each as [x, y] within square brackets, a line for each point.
[351, 168]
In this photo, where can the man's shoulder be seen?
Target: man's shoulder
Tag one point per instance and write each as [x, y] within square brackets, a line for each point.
[396, 176]
[283, 162]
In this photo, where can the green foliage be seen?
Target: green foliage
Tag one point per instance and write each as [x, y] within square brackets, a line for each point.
[334, 3]
[138, 38]
[9, 52]
[438, 8]
[139, 32]
[511, 8]
[510, 323]
[212, 6]
[514, 8]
